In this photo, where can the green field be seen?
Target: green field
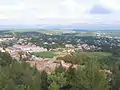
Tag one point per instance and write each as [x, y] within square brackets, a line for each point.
[85, 34]
[51, 54]
[48, 54]
[53, 32]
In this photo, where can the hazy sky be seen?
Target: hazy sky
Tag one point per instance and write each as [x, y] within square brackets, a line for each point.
[59, 12]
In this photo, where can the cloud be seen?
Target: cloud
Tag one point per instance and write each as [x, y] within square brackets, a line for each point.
[111, 4]
[58, 11]
[99, 9]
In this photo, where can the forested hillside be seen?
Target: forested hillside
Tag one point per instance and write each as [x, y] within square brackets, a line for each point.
[91, 75]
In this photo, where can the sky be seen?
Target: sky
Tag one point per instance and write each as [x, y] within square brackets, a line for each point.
[60, 12]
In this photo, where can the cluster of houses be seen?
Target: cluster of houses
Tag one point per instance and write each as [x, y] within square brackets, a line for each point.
[29, 48]
[6, 39]
[22, 52]
[17, 52]
[81, 47]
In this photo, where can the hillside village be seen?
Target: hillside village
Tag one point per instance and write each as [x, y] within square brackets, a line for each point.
[61, 57]
[22, 49]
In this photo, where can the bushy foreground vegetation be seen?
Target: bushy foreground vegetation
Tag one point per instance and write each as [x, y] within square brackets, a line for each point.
[16, 75]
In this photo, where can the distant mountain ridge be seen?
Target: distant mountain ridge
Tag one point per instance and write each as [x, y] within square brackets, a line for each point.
[78, 26]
